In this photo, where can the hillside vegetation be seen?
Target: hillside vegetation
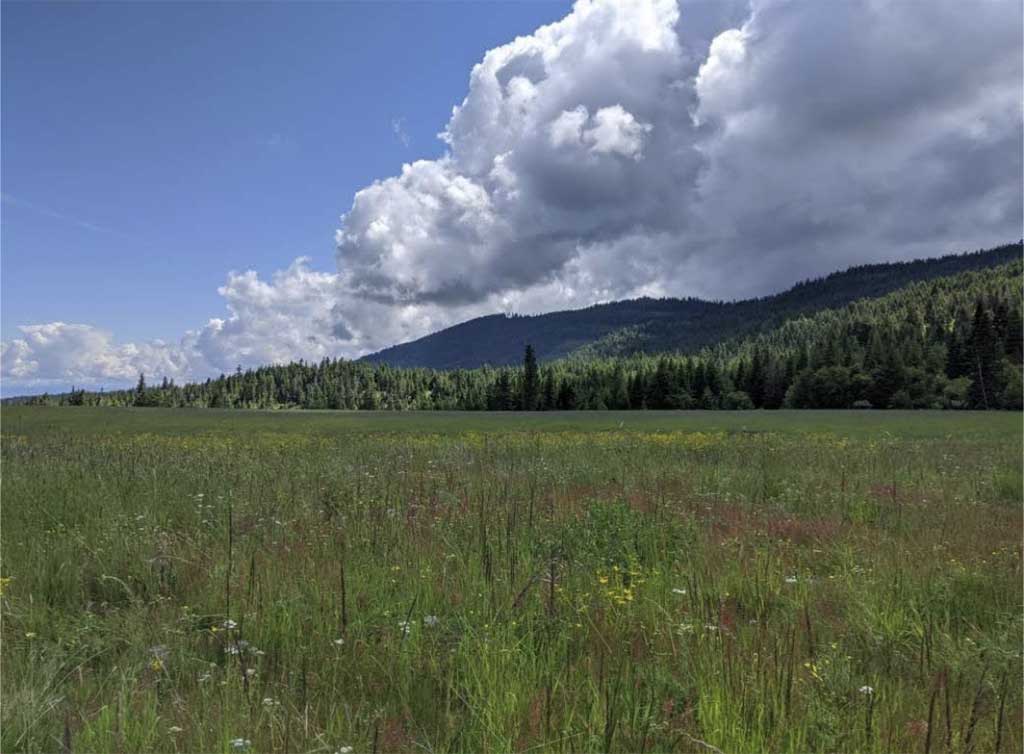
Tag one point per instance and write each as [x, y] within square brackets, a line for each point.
[950, 342]
[659, 325]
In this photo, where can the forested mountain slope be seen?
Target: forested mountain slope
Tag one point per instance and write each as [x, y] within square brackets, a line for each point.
[656, 325]
[950, 342]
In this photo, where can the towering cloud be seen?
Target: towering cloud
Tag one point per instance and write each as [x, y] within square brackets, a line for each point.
[855, 131]
[645, 147]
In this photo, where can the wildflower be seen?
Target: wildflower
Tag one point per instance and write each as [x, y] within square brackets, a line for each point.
[250, 672]
[175, 729]
[344, 750]
[30, 634]
[339, 642]
[791, 579]
[866, 690]
[229, 625]
[240, 744]
[431, 621]
[4, 582]
[156, 664]
[678, 591]
[269, 702]
[404, 626]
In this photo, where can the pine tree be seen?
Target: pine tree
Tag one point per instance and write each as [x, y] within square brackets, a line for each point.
[755, 386]
[549, 400]
[637, 392]
[1014, 343]
[566, 396]
[984, 358]
[531, 380]
[661, 386]
[503, 392]
[140, 391]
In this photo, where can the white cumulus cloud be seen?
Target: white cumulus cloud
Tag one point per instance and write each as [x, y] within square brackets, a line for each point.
[643, 147]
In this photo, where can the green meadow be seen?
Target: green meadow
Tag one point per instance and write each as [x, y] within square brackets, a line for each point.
[225, 581]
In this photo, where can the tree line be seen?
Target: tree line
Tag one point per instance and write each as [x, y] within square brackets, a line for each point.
[952, 342]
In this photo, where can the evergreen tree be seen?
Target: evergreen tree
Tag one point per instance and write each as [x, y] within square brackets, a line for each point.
[755, 383]
[140, 390]
[549, 400]
[661, 386]
[637, 391]
[531, 380]
[566, 396]
[503, 400]
[984, 349]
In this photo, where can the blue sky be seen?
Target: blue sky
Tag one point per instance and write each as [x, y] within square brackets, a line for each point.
[148, 148]
[166, 166]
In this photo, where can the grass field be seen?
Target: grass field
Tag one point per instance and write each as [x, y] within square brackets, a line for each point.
[203, 581]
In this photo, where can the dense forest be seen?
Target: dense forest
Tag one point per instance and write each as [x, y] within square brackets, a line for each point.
[666, 325]
[951, 342]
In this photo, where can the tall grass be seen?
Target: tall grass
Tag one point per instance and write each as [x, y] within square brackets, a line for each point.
[508, 590]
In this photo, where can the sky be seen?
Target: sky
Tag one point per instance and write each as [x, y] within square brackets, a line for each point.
[191, 187]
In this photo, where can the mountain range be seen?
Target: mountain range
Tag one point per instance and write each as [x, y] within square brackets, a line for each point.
[648, 325]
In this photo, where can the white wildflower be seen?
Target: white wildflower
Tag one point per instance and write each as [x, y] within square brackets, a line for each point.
[240, 744]
[867, 690]
[677, 590]
[339, 641]
[431, 621]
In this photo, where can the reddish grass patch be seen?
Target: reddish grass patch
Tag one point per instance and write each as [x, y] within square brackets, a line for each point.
[804, 531]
